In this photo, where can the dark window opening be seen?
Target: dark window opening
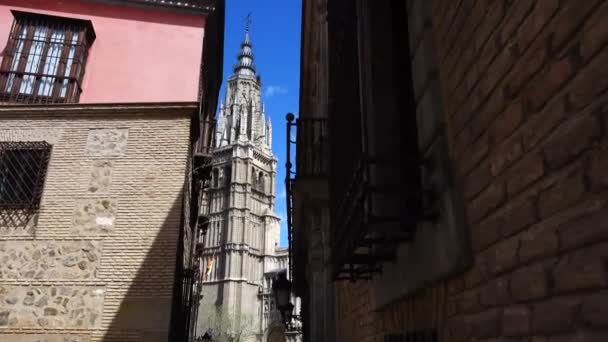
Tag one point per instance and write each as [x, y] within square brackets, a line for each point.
[261, 182]
[23, 167]
[227, 175]
[22, 172]
[44, 59]
[215, 178]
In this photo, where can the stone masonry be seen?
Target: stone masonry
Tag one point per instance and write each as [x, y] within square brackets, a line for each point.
[102, 251]
[50, 259]
[51, 307]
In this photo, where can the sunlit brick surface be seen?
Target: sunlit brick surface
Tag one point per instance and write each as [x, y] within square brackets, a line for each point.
[133, 224]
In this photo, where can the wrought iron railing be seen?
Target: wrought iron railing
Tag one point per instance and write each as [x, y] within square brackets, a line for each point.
[312, 149]
[289, 192]
[311, 161]
[362, 228]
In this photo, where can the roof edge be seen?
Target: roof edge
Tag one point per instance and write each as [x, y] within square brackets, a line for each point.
[184, 6]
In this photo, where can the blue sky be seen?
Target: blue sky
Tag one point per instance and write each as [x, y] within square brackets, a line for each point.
[275, 34]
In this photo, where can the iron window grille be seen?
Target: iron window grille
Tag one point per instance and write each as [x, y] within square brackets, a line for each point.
[23, 167]
[44, 59]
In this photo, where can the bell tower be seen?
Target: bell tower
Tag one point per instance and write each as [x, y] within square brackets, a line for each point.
[241, 244]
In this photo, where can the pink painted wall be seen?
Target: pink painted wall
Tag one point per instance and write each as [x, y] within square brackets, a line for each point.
[139, 55]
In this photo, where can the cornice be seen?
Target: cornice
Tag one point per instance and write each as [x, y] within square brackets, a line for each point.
[115, 109]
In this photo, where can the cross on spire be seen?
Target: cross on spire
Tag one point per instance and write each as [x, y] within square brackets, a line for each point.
[245, 65]
[248, 22]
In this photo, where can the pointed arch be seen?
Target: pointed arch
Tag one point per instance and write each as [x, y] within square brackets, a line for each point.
[215, 177]
[261, 181]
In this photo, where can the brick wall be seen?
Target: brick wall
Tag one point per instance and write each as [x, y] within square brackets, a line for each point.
[523, 87]
[112, 200]
[355, 320]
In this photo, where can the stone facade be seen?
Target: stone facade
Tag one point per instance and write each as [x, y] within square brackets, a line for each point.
[107, 142]
[94, 216]
[520, 88]
[101, 176]
[52, 259]
[100, 254]
[51, 307]
[43, 338]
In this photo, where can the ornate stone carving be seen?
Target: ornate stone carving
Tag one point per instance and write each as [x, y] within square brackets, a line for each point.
[107, 142]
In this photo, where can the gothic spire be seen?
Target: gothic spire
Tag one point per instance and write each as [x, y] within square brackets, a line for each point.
[242, 117]
[245, 65]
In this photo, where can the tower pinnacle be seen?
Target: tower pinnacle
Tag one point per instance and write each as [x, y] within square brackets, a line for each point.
[245, 65]
[242, 118]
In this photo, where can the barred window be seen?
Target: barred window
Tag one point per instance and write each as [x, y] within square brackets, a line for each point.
[44, 59]
[23, 168]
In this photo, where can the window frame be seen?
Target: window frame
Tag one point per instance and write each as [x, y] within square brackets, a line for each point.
[33, 40]
[38, 164]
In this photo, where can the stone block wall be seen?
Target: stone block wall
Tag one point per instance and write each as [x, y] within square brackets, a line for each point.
[51, 307]
[49, 259]
[523, 89]
[102, 250]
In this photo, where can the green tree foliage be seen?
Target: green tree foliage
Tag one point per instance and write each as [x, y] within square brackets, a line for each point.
[227, 325]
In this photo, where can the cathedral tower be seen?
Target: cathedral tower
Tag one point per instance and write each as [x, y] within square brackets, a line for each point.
[241, 245]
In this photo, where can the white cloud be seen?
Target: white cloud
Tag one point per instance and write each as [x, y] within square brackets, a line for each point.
[275, 90]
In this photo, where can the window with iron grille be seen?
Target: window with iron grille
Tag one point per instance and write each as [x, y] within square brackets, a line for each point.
[23, 168]
[44, 59]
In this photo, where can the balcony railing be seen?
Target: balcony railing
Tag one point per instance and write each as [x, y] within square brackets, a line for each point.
[312, 148]
[373, 217]
[311, 161]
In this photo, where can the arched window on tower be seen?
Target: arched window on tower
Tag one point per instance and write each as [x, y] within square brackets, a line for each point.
[261, 182]
[227, 175]
[215, 178]
[254, 180]
[221, 177]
